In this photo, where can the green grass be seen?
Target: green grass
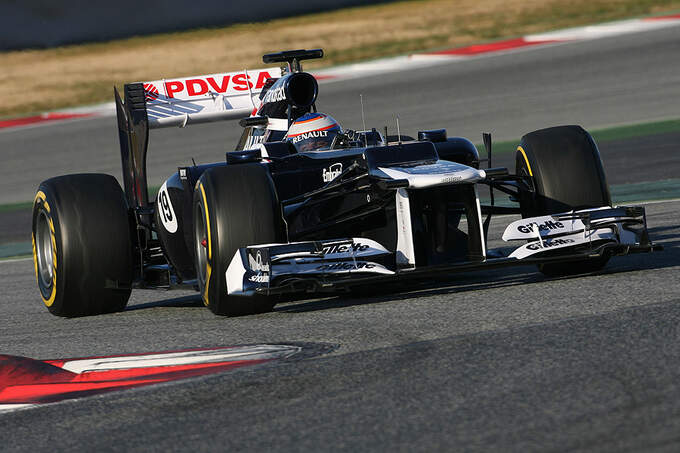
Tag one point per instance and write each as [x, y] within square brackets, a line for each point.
[16, 206]
[638, 130]
[15, 250]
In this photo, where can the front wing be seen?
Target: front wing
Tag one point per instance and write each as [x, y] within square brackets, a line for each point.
[340, 264]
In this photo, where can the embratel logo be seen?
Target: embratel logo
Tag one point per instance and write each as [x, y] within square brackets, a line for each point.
[151, 92]
[332, 172]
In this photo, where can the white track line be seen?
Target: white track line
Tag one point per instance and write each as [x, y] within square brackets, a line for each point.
[604, 30]
[169, 359]
[14, 407]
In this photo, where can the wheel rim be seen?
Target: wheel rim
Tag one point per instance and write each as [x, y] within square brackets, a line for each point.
[200, 234]
[44, 250]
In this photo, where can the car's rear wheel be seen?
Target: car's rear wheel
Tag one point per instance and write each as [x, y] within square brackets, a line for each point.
[82, 250]
[234, 206]
[565, 168]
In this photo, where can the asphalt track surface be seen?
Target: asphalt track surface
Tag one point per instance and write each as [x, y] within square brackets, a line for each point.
[502, 360]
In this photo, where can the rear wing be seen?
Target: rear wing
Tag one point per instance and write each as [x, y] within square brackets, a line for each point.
[178, 102]
[201, 99]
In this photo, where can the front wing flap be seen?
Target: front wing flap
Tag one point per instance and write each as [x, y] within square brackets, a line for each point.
[625, 225]
[261, 267]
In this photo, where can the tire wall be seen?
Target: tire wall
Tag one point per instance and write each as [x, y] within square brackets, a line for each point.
[49, 23]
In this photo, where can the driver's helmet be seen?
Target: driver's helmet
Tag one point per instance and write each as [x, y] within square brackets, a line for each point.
[313, 131]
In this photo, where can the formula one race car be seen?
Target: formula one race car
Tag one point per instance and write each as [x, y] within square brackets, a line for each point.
[302, 206]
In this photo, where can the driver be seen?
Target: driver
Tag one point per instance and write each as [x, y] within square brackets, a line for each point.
[313, 131]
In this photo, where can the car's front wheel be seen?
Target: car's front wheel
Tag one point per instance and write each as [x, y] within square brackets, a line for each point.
[234, 206]
[565, 169]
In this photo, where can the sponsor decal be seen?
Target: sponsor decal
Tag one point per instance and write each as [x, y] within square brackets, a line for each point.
[238, 83]
[562, 241]
[312, 134]
[151, 91]
[332, 172]
[547, 226]
[548, 244]
[344, 248]
[346, 266]
[448, 179]
[258, 262]
[165, 210]
[402, 214]
[275, 95]
[256, 136]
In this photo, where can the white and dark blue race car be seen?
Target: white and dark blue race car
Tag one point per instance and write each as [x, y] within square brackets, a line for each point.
[302, 206]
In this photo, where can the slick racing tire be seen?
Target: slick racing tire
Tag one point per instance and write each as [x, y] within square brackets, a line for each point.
[566, 172]
[234, 206]
[82, 250]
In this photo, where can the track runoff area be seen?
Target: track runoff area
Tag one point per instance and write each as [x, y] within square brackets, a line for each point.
[29, 379]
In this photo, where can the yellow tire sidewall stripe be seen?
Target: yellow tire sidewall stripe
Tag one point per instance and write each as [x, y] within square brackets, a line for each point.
[41, 198]
[208, 269]
[524, 154]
